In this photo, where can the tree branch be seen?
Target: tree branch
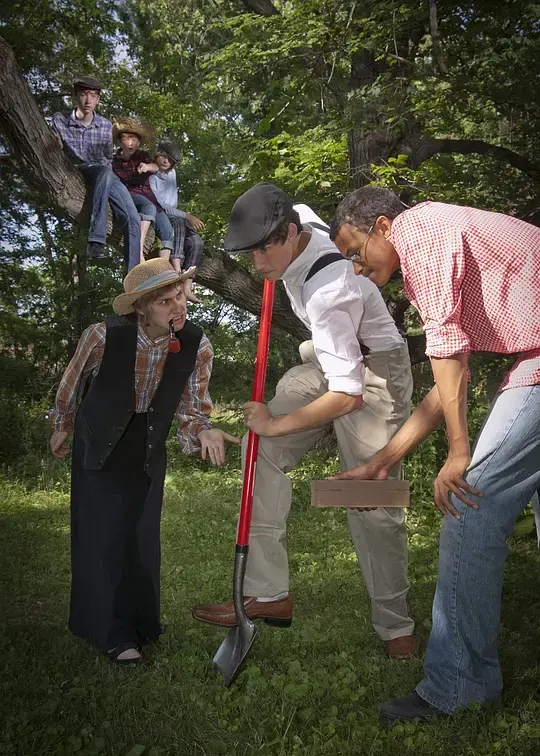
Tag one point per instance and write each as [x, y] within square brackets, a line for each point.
[48, 170]
[40, 159]
[434, 30]
[427, 147]
[261, 7]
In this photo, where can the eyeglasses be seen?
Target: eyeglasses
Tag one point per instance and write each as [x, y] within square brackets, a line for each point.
[359, 257]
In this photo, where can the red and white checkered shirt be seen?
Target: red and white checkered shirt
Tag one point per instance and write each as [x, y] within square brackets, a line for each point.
[474, 277]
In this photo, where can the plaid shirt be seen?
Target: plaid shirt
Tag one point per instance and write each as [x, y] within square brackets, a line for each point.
[474, 277]
[194, 408]
[85, 145]
[127, 172]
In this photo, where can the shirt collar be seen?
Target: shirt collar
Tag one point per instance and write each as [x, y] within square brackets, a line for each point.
[74, 121]
[159, 341]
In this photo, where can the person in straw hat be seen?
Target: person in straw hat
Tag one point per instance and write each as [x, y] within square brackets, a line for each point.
[134, 167]
[129, 376]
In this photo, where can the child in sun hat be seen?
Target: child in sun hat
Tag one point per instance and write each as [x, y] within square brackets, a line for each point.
[188, 245]
[134, 167]
[129, 377]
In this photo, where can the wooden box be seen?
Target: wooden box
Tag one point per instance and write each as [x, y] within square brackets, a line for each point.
[360, 493]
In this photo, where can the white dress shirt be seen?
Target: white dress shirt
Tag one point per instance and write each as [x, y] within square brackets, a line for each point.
[340, 309]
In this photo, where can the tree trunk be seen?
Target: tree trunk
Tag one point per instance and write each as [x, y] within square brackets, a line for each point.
[42, 162]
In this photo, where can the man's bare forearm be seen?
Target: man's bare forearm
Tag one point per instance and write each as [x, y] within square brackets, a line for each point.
[321, 411]
[423, 421]
[451, 378]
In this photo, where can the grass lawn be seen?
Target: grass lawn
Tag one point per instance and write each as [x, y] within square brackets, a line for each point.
[309, 690]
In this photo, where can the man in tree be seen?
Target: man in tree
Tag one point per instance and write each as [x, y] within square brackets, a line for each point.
[366, 398]
[86, 138]
[474, 277]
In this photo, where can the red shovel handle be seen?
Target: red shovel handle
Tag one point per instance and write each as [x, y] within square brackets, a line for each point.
[261, 361]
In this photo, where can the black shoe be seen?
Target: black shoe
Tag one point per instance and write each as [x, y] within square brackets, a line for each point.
[411, 707]
[95, 251]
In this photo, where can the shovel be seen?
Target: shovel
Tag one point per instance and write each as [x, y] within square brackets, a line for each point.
[235, 647]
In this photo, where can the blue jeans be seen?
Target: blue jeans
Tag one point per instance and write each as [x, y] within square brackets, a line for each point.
[461, 664]
[106, 188]
[149, 212]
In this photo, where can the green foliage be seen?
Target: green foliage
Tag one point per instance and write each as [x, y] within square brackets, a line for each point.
[281, 98]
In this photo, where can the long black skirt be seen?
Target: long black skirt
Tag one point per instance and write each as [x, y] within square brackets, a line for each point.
[115, 543]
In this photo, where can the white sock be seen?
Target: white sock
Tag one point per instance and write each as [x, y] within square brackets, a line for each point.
[279, 597]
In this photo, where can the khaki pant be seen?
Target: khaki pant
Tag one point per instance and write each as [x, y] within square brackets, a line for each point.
[379, 536]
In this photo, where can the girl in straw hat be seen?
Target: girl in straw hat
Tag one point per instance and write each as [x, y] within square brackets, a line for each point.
[129, 377]
[134, 167]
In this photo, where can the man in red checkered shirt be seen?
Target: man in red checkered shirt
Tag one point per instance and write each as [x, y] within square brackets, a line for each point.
[474, 277]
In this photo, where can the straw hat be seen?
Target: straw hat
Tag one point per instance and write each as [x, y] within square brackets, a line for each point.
[144, 131]
[145, 277]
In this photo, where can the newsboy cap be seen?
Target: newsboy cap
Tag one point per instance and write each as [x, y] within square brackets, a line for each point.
[170, 149]
[255, 215]
[86, 82]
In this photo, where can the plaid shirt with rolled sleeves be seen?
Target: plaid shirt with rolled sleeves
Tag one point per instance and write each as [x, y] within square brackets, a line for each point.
[85, 145]
[127, 172]
[474, 277]
[194, 408]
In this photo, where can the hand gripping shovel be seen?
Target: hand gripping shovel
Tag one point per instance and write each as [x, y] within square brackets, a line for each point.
[235, 647]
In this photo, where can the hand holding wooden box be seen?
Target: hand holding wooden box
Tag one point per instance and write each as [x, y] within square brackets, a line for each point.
[360, 493]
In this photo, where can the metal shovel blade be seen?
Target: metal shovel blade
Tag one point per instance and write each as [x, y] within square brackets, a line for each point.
[234, 649]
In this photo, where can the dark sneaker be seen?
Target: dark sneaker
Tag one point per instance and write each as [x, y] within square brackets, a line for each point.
[95, 251]
[405, 709]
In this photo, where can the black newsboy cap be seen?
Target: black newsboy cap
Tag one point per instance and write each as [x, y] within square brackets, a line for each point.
[255, 215]
[86, 82]
[170, 149]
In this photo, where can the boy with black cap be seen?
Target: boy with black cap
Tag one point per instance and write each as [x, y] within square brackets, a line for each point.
[366, 398]
[86, 138]
[188, 245]
[129, 377]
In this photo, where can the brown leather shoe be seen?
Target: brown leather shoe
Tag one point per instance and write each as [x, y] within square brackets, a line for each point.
[401, 648]
[274, 613]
